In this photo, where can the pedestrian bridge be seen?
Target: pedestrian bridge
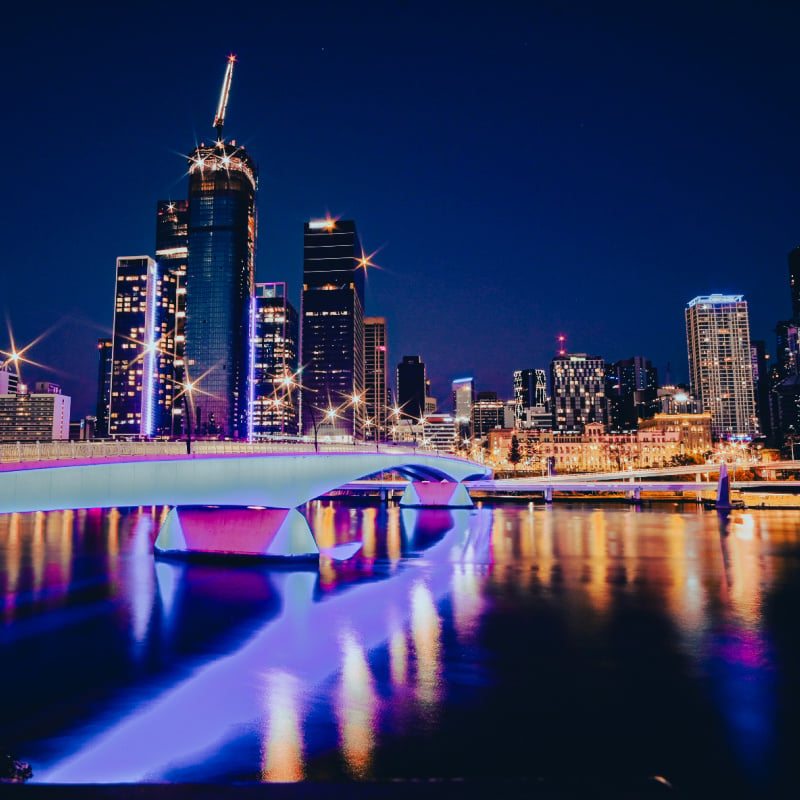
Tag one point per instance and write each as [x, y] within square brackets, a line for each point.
[279, 481]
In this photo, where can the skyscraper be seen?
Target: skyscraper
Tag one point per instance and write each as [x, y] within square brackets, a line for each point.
[718, 343]
[333, 330]
[631, 389]
[219, 280]
[411, 387]
[577, 391]
[376, 394]
[273, 338]
[463, 398]
[530, 394]
[143, 313]
[104, 362]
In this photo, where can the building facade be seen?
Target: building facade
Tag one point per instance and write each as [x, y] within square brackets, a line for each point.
[530, 395]
[141, 393]
[332, 330]
[221, 236]
[631, 389]
[411, 387]
[720, 367]
[103, 406]
[578, 397]
[274, 407]
[375, 389]
[463, 398]
[488, 413]
[39, 416]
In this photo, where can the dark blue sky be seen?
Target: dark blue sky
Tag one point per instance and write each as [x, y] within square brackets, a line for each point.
[528, 169]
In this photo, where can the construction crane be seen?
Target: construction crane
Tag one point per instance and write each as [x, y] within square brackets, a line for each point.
[219, 119]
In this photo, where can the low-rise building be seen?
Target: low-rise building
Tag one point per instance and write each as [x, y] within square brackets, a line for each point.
[34, 417]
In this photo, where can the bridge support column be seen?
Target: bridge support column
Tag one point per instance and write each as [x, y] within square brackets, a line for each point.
[635, 496]
[272, 534]
[548, 495]
[436, 494]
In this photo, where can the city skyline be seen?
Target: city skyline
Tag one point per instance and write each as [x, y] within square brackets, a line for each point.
[546, 177]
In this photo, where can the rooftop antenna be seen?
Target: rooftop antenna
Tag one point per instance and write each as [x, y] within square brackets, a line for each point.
[219, 119]
[562, 345]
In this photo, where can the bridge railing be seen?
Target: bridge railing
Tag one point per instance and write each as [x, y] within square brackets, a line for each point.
[19, 452]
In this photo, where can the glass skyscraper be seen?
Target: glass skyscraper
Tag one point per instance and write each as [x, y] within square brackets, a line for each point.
[333, 330]
[219, 284]
[274, 408]
[375, 377]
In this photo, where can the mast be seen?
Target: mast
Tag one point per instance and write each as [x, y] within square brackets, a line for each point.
[219, 119]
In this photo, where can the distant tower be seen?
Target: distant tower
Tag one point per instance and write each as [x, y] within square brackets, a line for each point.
[274, 408]
[376, 395]
[333, 330]
[578, 391]
[463, 400]
[411, 387]
[720, 366]
[794, 277]
[220, 278]
[530, 392]
[632, 389]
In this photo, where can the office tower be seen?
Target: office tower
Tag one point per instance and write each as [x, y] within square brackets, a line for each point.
[143, 314]
[172, 250]
[273, 338]
[219, 281]
[463, 397]
[104, 361]
[39, 416]
[787, 348]
[411, 387]
[794, 277]
[333, 330]
[631, 389]
[488, 413]
[718, 343]
[8, 381]
[376, 396]
[759, 361]
[439, 433]
[530, 395]
[577, 391]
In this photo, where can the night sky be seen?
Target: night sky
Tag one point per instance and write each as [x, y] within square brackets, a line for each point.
[524, 169]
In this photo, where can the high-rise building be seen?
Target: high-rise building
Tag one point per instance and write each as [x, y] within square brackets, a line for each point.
[141, 395]
[463, 398]
[631, 389]
[376, 395]
[8, 381]
[488, 413]
[411, 387]
[332, 330]
[220, 280]
[577, 391]
[172, 252]
[759, 360]
[787, 348]
[794, 277]
[274, 408]
[530, 393]
[39, 416]
[104, 364]
[718, 342]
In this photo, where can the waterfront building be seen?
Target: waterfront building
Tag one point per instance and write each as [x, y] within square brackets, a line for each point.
[411, 387]
[463, 398]
[488, 413]
[172, 254]
[693, 432]
[578, 395]
[274, 408]
[530, 395]
[103, 404]
[718, 341]
[38, 416]
[375, 389]
[631, 387]
[333, 330]
[141, 396]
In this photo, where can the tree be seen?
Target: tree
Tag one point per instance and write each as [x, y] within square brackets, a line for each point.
[514, 455]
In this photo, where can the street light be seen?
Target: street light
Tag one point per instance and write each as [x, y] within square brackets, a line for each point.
[188, 388]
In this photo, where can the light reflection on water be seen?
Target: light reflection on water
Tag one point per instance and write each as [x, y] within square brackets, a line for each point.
[449, 628]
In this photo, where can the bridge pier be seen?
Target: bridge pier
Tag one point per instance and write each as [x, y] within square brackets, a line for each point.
[635, 496]
[272, 534]
[548, 495]
[436, 494]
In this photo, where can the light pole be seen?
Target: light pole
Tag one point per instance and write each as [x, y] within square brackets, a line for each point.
[188, 388]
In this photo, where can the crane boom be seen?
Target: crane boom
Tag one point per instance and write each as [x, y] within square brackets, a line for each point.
[219, 119]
